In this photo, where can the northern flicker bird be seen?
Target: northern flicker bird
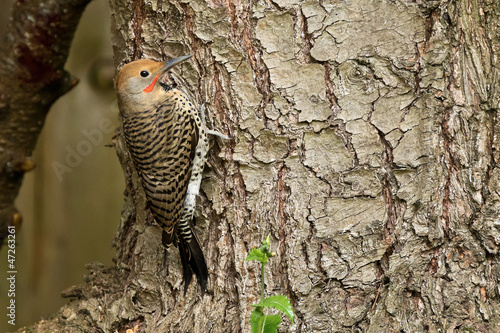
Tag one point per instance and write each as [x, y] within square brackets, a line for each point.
[167, 140]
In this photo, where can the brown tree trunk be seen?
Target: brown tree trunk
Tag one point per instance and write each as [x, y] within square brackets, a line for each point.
[363, 141]
[32, 78]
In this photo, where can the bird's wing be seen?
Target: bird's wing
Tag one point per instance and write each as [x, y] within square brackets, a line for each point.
[166, 186]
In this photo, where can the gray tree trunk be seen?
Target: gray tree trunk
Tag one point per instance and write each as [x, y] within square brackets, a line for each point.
[363, 142]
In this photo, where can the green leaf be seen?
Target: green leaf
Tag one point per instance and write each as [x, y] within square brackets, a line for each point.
[267, 242]
[279, 302]
[270, 323]
[256, 254]
[255, 318]
[260, 323]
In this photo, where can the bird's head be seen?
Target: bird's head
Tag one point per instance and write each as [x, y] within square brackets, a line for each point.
[138, 83]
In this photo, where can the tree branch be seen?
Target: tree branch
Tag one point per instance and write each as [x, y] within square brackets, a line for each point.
[32, 78]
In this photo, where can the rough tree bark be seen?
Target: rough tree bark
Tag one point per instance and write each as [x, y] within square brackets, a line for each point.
[32, 78]
[364, 141]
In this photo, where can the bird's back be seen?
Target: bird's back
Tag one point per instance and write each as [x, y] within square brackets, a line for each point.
[168, 144]
[164, 157]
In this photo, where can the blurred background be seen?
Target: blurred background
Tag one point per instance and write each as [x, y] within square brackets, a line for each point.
[71, 202]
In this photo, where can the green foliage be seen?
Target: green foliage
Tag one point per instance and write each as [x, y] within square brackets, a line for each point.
[263, 253]
[279, 302]
[259, 322]
[262, 323]
[257, 255]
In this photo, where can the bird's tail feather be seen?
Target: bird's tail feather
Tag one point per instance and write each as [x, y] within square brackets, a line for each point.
[193, 261]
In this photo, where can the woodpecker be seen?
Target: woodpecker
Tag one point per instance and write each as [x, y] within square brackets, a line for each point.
[167, 139]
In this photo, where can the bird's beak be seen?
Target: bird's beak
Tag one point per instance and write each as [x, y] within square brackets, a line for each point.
[172, 62]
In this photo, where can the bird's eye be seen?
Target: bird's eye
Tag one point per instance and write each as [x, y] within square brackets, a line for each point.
[144, 73]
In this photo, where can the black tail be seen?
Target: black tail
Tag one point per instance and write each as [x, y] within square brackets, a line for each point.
[193, 261]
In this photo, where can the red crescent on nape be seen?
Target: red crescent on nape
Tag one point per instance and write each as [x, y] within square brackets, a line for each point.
[150, 88]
